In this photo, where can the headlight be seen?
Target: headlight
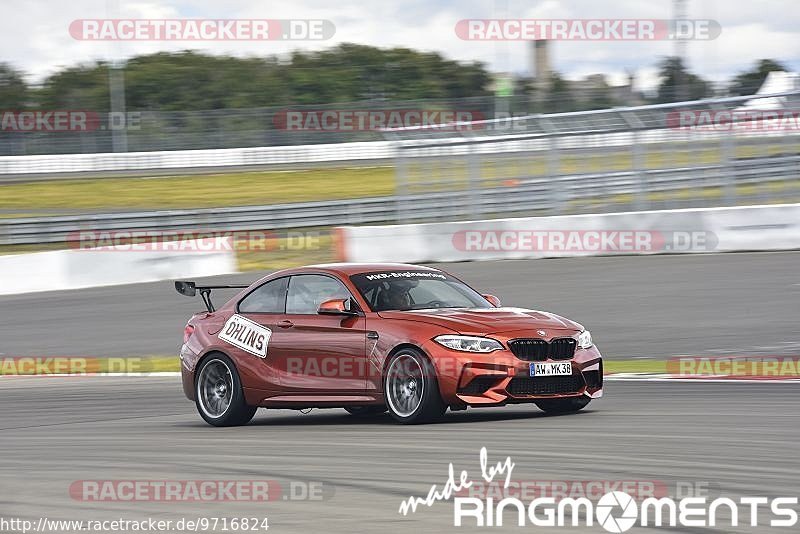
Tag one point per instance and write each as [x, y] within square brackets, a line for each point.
[469, 343]
[585, 340]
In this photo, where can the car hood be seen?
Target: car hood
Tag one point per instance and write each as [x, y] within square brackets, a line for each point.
[479, 321]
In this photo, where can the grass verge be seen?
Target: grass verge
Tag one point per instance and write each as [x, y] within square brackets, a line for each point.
[37, 365]
[282, 186]
[634, 366]
[199, 191]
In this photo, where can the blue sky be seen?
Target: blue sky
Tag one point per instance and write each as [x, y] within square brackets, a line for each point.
[34, 36]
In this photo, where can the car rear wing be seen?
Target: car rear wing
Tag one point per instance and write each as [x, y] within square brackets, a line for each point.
[190, 289]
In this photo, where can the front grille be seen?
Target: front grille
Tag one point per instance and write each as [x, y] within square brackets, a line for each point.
[537, 350]
[478, 385]
[545, 385]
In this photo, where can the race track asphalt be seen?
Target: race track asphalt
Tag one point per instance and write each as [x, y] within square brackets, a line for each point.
[734, 439]
[635, 306]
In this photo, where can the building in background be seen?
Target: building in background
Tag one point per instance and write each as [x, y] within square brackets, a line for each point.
[540, 65]
[550, 92]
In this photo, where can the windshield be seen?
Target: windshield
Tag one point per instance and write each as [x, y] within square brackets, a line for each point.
[415, 290]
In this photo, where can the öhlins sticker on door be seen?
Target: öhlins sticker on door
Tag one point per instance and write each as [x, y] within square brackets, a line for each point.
[247, 335]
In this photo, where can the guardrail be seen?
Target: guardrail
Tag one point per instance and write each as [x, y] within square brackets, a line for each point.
[528, 197]
[637, 150]
[620, 127]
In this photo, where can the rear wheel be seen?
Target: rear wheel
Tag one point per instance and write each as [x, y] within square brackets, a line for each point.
[365, 411]
[572, 404]
[411, 388]
[218, 393]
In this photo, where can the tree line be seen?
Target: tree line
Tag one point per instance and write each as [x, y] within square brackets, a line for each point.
[188, 81]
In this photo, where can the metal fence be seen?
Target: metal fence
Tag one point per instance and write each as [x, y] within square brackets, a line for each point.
[525, 199]
[148, 131]
[718, 152]
[621, 159]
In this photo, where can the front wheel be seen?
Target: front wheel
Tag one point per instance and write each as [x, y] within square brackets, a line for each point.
[411, 388]
[572, 404]
[218, 393]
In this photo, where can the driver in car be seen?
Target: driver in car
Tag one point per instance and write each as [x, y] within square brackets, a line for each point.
[396, 296]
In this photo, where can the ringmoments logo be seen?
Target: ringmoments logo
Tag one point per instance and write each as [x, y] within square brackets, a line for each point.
[606, 507]
[615, 511]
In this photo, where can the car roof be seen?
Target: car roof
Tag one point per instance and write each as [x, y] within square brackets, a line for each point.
[348, 269]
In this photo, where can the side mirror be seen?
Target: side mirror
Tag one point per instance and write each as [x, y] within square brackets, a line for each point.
[337, 307]
[186, 288]
[494, 301]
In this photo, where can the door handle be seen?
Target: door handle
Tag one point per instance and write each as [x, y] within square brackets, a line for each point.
[285, 324]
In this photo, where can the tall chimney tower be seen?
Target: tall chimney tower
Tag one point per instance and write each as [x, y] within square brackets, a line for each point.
[541, 64]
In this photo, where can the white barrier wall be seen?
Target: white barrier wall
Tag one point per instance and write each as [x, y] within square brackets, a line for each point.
[183, 159]
[81, 268]
[775, 227]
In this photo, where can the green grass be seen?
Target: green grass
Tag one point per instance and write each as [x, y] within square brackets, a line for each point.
[154, 364]
[200, 191]
[454, 174]
[40, 365]
[284, 255]
[776, 192]
[634, 366]
[276, 187]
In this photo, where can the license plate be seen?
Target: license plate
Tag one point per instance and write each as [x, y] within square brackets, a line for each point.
[551, 369]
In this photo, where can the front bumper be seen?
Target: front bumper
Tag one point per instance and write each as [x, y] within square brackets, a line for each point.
[498, 378]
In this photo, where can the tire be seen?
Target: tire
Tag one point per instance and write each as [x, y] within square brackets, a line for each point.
[218, 393]
[411, 389]
[570, 405]
[365, 411]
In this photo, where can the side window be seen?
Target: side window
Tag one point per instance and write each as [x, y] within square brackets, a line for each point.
[308, 291]
[267, 298]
